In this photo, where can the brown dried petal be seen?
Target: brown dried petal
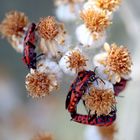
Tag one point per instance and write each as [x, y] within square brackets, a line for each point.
[119, 60]
[95, 21]
[100, 101]
[40, 84]
[13, 24]
[48, 28]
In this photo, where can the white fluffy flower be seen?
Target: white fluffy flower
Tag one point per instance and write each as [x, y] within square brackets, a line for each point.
[72, 62]
[98, 58]
[47, 65]
[17, 43]
[90, 4]
[103, 72]
[64, 13]
[52, 35]
[103, 85]
[113, 64]
[85, 37]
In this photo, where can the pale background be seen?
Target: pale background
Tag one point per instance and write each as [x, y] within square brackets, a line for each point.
[21, 116]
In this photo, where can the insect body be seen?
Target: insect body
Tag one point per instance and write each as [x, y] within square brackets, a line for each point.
[94, 120]
[78, 88]
[30, 34]
[29, 54]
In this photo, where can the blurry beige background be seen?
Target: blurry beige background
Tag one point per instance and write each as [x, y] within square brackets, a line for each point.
[21, 117]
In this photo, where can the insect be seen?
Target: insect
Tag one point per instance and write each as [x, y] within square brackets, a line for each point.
[30, 34]
[119, 87]
[29, 54]
[78, 88]
[103, 120]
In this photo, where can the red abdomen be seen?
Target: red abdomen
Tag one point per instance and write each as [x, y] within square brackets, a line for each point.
[94, 120]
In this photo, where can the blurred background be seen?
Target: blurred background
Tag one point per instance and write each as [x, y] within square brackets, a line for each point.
[21, 116]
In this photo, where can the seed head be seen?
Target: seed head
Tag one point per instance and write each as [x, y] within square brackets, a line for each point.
[76, 60]
[109, 5]
[13, 24]
[118, 59]
[100, 101]
[48, 28]
[95, 21]
[40, 84]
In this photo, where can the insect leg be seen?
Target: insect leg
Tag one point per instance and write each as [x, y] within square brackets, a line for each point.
[101, 80]
[40, 55]
[95, 69]
[85, 107]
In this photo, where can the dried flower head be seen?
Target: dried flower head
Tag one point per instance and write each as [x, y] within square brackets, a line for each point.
[118, 59]
[108, 132]
[100, 101]
[43, 136]
[76, 60]
[109, 5]
[40, 84]
[95, 21]
[13, 24]
[48, 28]
[53, 34]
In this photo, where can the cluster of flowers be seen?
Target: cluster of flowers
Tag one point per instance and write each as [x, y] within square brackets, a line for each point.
[49, 39]
[113, 64]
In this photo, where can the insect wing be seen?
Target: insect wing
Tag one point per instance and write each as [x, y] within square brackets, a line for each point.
[68, 99]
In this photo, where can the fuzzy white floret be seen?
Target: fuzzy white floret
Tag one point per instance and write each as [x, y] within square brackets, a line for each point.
[54, 67]
[99, 57]
[50, 66]
[103, 85]
[62, 49]
[91, 5]
[102, 71]
[64, 64]
[64, 14]
[85, 37]
[108, 75]
[18, 44]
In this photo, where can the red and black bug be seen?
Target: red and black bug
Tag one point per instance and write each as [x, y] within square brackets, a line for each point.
[119, 87]
[29, 54]
[30, 34]
[103, 120]
[78, 88]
